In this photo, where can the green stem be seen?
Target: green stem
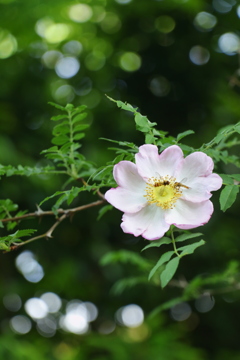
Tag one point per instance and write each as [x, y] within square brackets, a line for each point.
[174, 243]
[71, 155]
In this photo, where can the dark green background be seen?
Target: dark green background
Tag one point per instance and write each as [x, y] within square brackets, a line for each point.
[203, 98]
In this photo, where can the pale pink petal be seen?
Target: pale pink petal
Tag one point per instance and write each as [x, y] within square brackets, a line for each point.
[200, 188]
[194, 165]
[148, 222]
[126, 175]
[189, 214]
[150, 163]
[125, 200]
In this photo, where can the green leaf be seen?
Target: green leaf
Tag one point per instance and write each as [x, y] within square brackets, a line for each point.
[227, 179]
[158, 243]
[78, 136]
[183, 134]
[103, 210]
[184, 237]
[164, 258]
[228, 196]
[59, 107]
[125, 256]
[78, 118]
[169, 271]
[167, 305]
[235, 176]
[60, 140]
[189, 249]
[59, 117]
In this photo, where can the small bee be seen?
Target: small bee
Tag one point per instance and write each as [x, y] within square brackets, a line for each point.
[179, 184]
[160, 183]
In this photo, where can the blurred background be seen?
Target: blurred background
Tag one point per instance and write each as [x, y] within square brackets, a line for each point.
[178, 62]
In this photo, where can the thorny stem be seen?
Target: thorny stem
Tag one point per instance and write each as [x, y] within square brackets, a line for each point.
[48, 233]
[174, 243]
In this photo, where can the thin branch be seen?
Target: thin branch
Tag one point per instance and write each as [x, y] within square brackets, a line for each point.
[48, 233]
[40, 213]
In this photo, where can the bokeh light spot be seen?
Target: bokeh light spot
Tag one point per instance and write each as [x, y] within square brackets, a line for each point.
[64, 94]
[123, 2]
[12, 302]
[223, 6]
[199, 55]
[73, 47]
[205, 303]
[181, 312]
[20, 324]
[29, 267]
[50, 58]
[56, 33]
[95, 60]
[47, 326]
[36, 308]
[205, 21]
[52, 301]
[160, 86]
[8, 44]
[229, 43]
[80, 13]
[111, 23]
[165, 24]
[131, 315]
[67, 67]
[130, 61]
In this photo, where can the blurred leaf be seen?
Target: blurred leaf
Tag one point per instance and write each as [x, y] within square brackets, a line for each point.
[189, 249]
[184, 237]
[158, 243]
[164, 258]
[228, 196]
[169, 271]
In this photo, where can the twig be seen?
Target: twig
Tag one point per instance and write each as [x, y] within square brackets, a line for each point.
[40, 213]
[48, 233]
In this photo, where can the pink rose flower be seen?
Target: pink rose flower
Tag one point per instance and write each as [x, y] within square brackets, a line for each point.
[163, 189]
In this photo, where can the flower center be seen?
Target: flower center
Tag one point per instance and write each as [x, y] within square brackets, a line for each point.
[163, 191]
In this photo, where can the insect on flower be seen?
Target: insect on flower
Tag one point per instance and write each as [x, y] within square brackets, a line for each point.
[163, 189]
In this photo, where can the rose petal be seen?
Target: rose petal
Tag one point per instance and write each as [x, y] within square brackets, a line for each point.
[125, 200]
[200, 188]
[148, 222]
[126, 175]
[150, 163]
[189, 213]
[194, 165]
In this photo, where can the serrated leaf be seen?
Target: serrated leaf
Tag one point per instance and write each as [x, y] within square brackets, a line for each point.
[164, 258]
[169, 271]
[228, 196]
[189, 249]
[184, 237]
[157, 243]
[183, 134]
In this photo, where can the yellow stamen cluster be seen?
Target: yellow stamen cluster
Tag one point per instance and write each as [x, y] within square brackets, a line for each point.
[163, 191]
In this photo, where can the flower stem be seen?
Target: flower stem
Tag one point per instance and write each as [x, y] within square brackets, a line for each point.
[174, 243]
